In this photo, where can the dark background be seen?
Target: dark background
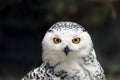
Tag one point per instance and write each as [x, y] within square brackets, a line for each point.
[23, 24]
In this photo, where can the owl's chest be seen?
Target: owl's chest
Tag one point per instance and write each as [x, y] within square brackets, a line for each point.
[64, 75]
[61, 76]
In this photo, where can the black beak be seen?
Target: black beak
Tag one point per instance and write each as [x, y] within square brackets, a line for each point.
[66, 50]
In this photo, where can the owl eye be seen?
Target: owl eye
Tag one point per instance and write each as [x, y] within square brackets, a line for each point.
[56, 40]
[76, 40]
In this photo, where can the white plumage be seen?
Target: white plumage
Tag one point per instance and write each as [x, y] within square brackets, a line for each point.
[68, 54]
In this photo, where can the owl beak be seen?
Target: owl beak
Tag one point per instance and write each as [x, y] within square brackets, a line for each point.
[66, 50]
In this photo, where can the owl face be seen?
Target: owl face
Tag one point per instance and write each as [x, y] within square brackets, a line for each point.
[65, 42]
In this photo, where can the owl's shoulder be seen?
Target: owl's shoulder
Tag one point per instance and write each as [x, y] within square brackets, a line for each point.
[43, 72]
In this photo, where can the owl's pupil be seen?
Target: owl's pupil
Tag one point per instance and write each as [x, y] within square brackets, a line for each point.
[58, 40]
[75, 40]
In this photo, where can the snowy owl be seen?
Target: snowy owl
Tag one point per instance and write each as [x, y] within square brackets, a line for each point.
[68, 54]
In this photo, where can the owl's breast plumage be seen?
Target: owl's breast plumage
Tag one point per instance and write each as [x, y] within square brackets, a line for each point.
[46, 72]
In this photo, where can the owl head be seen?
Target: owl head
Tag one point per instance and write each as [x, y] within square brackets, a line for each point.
[65, 41]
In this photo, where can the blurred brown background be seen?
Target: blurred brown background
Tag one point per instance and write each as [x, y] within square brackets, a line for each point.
[23, 24]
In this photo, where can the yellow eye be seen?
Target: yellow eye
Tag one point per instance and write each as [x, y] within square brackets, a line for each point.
[56, 40]
[76, 40]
